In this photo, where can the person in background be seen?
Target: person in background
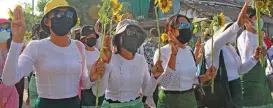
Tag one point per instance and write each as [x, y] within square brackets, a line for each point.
[58, 61]
[256, 92]
[267, 40]
[269, 68]
[77, 32]
[89, 38]
[97, 28]
[9, 97]
[148, 49]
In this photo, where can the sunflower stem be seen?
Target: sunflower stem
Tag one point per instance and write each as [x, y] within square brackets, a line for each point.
[212, 55]
[259, 31]
[101, 53]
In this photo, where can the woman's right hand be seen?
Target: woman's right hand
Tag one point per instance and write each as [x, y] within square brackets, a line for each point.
[97, 70]
[18, 26]
[157, 69]
[242, 18]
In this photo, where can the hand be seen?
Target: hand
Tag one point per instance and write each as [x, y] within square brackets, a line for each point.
[18, 26]
[200, 53]
[198, 44]
[146, 106]
[157, 69]
[107, 52]
[260, 51]
[242, 18]
[248, 26]
[97, 70]
[210, 74]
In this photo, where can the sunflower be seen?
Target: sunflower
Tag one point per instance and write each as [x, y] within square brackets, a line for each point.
[259, 4]
[10, 13]
[117, 18]
[18, 5]
[116, 7]
[156, 2]
[165, 5]
[222, 17]
[164, 37]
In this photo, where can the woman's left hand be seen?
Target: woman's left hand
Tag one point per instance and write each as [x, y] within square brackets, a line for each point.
[260, 50]
[107, 52]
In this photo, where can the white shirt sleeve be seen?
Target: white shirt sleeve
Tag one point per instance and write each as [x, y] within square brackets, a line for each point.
[229, 35]
[17, 66]
[246, 50]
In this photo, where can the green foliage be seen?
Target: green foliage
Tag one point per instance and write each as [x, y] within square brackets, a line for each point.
[41, 4]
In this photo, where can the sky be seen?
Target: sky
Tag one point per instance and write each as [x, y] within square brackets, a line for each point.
[5, 4]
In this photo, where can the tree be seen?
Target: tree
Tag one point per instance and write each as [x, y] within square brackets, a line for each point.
[40, 5]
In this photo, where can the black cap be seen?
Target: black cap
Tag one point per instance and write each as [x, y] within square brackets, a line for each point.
[86, 30]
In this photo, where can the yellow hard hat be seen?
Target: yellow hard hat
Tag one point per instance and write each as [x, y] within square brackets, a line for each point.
[53, 4]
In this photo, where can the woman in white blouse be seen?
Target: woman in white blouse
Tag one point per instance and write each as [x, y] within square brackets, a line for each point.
[127, 73]
[57, 60]
[89, 38]
[229, 92]
[256, 92]
[180, 67]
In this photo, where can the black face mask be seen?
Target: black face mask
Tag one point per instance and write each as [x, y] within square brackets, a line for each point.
[78, 36]
[184, 35]
[91, 42]
[61, 26]
[43, 35]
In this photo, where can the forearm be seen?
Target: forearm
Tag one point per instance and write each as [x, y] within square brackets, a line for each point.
[172, 61]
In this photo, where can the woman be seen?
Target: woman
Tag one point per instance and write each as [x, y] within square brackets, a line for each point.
[127, 72]
[37, 34]
[231, 67]
[255, 86]
[178, 61]
[57, 61]
[9, 97]
[89, 38]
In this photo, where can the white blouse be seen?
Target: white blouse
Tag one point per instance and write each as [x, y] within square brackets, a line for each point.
[184, 76]
[232, 60]
[124, 79]
[247, 44]
[57, 68]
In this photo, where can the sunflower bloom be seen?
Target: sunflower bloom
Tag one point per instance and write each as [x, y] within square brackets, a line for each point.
[117, 8]
[10, 13]
[222, 17]
[165, 5]
[259, 4]
[18, 5]
[117, 18]
[164, 37]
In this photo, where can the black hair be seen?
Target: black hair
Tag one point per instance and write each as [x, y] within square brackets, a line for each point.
[227, 26]
[251, 12]
[173, 20]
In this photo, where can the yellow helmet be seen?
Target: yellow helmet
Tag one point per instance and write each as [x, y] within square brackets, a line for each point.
[53, 4]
